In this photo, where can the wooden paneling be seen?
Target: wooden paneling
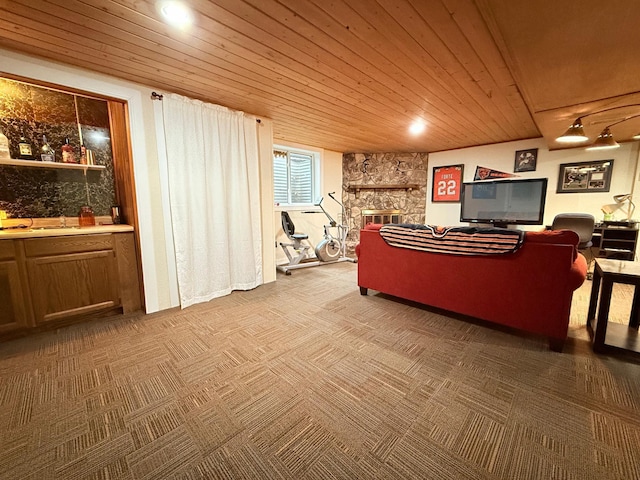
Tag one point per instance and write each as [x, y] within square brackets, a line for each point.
[345, 75]
[350, 75]
[570, 59]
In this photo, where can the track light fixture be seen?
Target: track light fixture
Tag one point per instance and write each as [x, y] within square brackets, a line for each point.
[575, 132]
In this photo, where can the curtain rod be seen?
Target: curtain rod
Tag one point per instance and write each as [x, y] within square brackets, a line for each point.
[159, 96]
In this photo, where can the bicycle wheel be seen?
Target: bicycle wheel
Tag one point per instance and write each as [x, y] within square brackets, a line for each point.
[328, 250]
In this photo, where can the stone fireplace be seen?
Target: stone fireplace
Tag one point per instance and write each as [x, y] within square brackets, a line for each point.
[383, 188]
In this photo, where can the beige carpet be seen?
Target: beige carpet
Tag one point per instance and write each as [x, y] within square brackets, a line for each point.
[307, 379]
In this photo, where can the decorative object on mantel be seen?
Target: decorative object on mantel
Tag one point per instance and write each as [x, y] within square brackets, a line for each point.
[391, 186]
[484, 173]
[446, 183]
[526, 160]
[585, 177]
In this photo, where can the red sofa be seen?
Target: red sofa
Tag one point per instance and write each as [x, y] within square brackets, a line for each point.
[530, 289]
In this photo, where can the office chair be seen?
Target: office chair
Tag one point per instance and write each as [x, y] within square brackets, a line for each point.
[582, 224]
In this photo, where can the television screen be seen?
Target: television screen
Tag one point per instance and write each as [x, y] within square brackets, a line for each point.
[504, 202]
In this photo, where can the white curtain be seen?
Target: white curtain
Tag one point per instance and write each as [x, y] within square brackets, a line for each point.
[214, 191]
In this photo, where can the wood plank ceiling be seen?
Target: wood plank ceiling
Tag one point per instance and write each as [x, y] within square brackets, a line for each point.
[349, 75]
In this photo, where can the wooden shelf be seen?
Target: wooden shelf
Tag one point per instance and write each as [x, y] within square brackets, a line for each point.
[55, 165]
[389, 186]
[615, 242]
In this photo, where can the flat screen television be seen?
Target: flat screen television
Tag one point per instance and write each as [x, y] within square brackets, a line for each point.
[504, 202]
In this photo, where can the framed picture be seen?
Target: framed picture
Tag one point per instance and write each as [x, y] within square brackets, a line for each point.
[447, 183]
[526, 160]
[585, 177]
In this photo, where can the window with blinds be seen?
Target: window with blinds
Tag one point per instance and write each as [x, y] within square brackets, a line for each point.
[295, 175]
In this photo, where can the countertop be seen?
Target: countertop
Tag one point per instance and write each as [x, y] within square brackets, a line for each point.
[8, 234]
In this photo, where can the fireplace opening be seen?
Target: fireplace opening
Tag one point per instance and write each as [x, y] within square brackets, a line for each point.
[381, 216]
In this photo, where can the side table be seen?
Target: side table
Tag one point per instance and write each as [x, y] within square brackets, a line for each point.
[607, 335]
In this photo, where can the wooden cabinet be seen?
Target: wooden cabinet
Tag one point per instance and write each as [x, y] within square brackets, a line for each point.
[615, 242]
[45, 281]
[71, 276]
[14, 313]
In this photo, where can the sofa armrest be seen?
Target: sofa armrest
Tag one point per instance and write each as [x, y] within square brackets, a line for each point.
[578, 272]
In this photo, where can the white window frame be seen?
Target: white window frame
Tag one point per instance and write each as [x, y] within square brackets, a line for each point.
[316, 156]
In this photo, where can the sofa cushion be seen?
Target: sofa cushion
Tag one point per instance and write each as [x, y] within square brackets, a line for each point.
[566, 237]
[373, 226]
[553, 236]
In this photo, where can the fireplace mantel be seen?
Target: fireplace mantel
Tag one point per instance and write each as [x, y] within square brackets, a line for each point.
[388, 186]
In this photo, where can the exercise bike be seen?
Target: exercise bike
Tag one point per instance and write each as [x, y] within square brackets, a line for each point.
[331, 249]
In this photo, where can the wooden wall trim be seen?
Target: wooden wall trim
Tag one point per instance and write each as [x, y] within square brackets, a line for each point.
[124, 175]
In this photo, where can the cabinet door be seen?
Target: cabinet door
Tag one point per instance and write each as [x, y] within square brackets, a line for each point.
[74, 284]
[13, 313]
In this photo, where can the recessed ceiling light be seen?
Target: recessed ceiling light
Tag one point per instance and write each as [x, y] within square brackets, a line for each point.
[176, 13]
[417, 127]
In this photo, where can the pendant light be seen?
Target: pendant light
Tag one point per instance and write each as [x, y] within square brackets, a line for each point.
[605, 141]
[574, 134]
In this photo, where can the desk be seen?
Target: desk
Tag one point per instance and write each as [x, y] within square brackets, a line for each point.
[607, 335]
[615, 242]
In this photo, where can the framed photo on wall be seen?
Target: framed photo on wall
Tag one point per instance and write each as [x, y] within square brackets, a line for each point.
[447, 183]
[526, 160]
[585, 177]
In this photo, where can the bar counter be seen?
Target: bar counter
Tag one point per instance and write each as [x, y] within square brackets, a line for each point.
[39, 232]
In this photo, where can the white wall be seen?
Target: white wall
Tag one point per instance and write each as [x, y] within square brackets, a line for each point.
[502, 156]
[312, 223]
[158, 263]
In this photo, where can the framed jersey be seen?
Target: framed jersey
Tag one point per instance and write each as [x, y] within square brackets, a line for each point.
[447, 182]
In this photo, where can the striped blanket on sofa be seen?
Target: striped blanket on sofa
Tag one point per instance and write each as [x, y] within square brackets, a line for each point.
[453, 240]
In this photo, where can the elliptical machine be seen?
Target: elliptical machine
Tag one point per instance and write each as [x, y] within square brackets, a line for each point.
[331, 249]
